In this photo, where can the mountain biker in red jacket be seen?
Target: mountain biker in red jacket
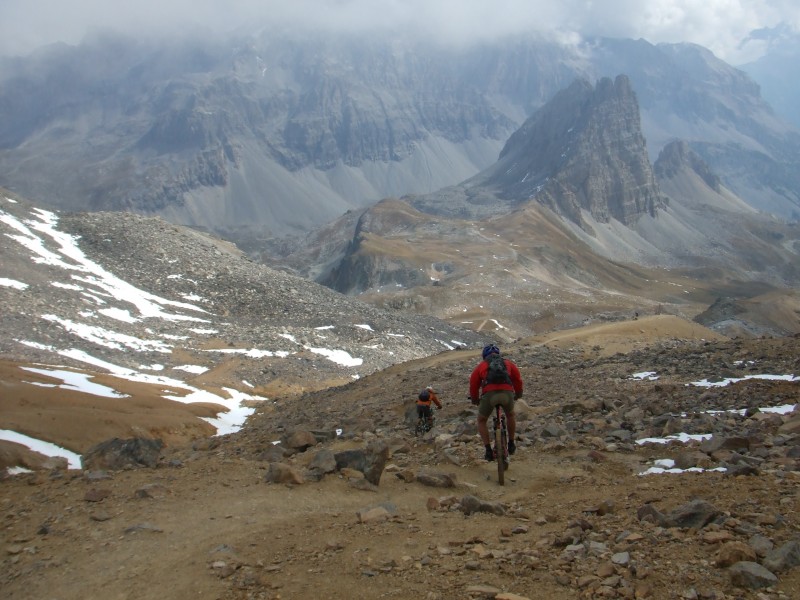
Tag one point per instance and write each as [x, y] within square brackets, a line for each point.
[487, 395]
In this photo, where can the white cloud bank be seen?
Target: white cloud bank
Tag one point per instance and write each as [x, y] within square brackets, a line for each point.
[720, 25]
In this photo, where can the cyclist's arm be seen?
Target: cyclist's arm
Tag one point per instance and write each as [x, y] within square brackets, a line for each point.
[516, 379]
[475, 383]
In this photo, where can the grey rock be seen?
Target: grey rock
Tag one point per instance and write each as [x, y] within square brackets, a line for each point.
[650, 513]
[751, 575]
[783, 558]
[282, 473]
[741, 469]
[324, 462]
[553, 430]
[442, 480]
[695, 514]
[471, 504]
[526, 166]
[351, 459]
[377, 455]
[761, 544]
[718, 442]
[275, 453]
[621, 558]
[143, 527]
[301, 440]
[116, 453]
[690, 459]
[370, 461]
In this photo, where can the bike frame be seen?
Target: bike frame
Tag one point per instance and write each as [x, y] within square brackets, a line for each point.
[423, 425]
[500, 442]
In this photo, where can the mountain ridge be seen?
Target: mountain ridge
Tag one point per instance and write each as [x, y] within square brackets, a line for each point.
[225, 134]
[280, 413]
[700, 225]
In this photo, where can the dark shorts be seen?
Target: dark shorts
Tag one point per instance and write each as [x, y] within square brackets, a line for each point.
[490, 399]
[424, 411]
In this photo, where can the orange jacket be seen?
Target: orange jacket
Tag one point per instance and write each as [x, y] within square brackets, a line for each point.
[478, 385]
[431, 398]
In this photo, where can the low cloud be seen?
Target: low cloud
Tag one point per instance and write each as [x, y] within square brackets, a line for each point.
[720, 25]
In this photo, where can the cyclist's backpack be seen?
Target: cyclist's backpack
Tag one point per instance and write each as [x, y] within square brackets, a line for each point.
[497, 373]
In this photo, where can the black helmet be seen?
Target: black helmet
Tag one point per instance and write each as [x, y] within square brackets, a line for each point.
[424, 395]
[490, 349]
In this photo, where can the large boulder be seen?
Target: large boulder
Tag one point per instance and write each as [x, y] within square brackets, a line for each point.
[116, 454]
[370, 461]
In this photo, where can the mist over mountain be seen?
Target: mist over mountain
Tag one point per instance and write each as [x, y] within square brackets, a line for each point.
[276, 134]
[775, 71]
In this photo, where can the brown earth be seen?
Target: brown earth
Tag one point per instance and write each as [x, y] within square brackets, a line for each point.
[606, 339]
[206, 525]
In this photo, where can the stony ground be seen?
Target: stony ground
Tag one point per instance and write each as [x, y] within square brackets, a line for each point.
[240, 517]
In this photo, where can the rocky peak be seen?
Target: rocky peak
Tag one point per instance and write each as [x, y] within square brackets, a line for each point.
[583, 151]
[676, 156]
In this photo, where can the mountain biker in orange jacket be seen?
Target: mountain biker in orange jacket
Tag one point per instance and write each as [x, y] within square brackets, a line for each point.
[486, 395]
[424, 400]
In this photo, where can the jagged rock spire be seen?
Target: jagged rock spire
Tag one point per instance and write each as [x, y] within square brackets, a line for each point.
[582, 151]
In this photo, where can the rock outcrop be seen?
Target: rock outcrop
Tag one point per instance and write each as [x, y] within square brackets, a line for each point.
[677, 155]
[583, 151]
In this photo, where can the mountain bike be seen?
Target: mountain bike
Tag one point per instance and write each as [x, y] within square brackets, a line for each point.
[424, 425]
[500, 428]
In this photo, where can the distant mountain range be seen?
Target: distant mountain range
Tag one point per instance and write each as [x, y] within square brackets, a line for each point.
[572, 216]
[275, 135]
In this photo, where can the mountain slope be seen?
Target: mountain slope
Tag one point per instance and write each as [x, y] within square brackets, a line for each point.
[275, 135]
[210, 520]
[576, 232]
[180, 316]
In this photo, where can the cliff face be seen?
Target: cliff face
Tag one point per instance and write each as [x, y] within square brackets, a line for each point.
[584, 150]
[271, 135]
[373, 259]
[676, 156]
[583, 158]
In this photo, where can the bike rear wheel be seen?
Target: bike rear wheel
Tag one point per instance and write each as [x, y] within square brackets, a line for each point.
[499, 454]
[504, 446]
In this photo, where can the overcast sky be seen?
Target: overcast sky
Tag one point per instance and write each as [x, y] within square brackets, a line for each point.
[720, 25]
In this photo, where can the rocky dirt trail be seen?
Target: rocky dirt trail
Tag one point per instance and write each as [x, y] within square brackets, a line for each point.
[376, 513]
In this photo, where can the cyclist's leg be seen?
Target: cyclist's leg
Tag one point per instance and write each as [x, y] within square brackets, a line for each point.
[484, 410]
[428, 416]
[500, 442]
[512, 421]
[507, 402]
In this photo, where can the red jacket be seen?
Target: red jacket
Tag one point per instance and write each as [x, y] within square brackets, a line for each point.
[478, 387]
